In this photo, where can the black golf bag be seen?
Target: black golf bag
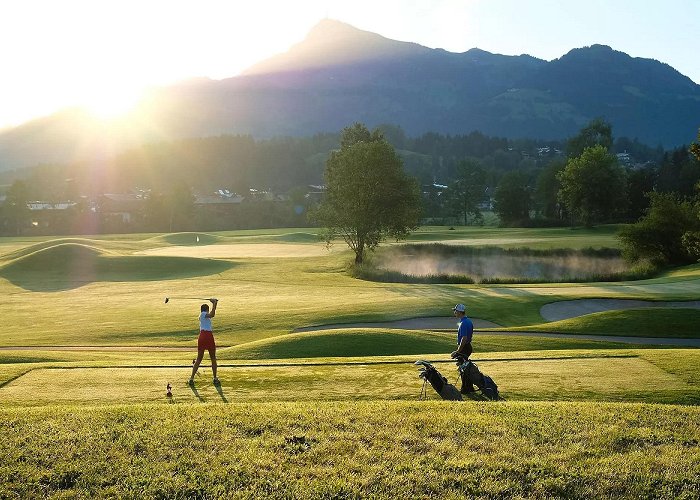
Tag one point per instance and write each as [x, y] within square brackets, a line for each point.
[430, 374]
[471, 376]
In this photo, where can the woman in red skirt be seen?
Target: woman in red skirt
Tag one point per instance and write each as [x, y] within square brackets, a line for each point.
[206, 339]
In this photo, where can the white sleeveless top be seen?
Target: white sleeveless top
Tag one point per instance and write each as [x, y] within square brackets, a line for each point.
[204, 322]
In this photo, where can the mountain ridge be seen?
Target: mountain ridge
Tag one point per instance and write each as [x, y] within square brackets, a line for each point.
[339, 75]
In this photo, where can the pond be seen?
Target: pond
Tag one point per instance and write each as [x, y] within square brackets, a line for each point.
[491, 264]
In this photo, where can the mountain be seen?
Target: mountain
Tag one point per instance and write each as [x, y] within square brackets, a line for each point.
[339, 75]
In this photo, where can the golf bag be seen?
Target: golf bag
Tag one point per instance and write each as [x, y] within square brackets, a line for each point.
[430, 374]
[471, 376]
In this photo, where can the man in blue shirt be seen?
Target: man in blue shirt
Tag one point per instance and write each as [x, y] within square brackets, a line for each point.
[465, 331]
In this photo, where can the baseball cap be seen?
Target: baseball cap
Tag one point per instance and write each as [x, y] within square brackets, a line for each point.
[459, 308]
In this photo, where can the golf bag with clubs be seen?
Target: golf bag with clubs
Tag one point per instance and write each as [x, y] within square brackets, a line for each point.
[430, 374]
[471, 376]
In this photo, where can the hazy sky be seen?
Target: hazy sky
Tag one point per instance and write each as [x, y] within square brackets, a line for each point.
[102, 53]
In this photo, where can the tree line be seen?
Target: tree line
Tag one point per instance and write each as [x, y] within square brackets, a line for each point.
[526, 182]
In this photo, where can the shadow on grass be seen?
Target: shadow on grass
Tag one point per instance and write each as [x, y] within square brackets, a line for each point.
[68, 266]
[196, 393]
[220, 390]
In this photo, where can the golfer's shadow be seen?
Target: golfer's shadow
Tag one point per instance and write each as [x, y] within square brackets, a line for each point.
[221, 393]
[196, 393]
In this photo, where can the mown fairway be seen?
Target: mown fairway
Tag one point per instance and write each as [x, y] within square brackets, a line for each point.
[111, 291]
[330, 413]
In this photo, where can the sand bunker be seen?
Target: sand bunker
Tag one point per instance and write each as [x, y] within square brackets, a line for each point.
[251, 250]
[572, 308]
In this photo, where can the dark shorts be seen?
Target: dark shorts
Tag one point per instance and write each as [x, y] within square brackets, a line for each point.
[467, 351]
[206, 341]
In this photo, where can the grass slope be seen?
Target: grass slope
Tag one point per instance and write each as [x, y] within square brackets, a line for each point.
[378, 342]
[352, 342]
[70, 265]
[353, 450]
[657, 322]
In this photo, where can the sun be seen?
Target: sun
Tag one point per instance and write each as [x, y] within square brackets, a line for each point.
[111, 101]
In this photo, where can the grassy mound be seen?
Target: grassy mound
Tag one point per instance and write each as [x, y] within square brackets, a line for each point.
[645, 322]
[344, 343]
[352, 450]
[376, 342]
[188, 239]
[70, 265]
[299, 237]
[98, 246]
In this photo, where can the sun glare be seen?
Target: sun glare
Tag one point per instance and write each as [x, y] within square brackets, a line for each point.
[111, 102]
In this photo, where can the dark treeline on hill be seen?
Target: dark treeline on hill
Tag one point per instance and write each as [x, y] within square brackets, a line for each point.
[209, 183]
[239, 163]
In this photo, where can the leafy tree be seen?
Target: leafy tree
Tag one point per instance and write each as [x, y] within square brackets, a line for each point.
[513, 198]
[679, 172]
[548, 186]
[358, 132]
[640, 183]
[368, 195]
[593, 186]
[659, 235]
[467, 191]
[597, 132]
[15, 207]
[695, 148]
[691, 239]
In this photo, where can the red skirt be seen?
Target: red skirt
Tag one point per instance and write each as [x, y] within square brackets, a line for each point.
[206, 340]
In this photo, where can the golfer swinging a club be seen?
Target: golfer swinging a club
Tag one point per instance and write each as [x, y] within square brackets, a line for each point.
[206, 339]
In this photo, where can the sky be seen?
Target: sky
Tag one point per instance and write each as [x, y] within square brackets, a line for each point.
[102, 54]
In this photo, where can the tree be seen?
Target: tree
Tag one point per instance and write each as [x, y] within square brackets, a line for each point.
[679, 172]
[664, 234]
[640, 183]
[358, 132]
[15, 207]
[548, 187]
[597, 132]
[593, 186]
[368, 195]
[468, 189]
[512, 199]
[695, 148]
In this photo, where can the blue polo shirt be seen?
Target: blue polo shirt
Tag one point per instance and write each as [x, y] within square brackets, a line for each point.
[465, 329]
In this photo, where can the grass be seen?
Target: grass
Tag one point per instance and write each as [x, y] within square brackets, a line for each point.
[380, 342]
[647, 322]
[352, 450]
[327, 413]
[69, 265]
[260, 297]
[626, 375]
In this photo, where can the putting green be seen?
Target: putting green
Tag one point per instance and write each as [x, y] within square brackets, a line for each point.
[244, 250]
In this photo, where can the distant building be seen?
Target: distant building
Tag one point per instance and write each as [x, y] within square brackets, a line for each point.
[315, 193]
[221, 202]
[624, 158]
[122, 207]
[36, 206]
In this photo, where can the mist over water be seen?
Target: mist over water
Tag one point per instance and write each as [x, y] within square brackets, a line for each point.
[499, 265]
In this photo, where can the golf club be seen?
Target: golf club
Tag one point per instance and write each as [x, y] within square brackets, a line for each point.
[168, 299]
